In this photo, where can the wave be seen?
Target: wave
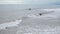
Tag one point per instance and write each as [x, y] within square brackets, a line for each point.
[10, 24]
[43, 16]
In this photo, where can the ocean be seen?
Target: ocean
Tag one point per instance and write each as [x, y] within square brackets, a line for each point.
[18, 19]
[11, 12]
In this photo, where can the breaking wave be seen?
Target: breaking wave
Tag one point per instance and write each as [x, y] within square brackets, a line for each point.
[10, 24]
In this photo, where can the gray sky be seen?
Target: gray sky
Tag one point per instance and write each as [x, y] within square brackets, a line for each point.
[29, 1]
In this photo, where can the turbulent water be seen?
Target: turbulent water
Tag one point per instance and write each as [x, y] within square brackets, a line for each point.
[24, 21]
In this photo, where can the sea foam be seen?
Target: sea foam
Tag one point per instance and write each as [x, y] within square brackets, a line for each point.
[10, 24]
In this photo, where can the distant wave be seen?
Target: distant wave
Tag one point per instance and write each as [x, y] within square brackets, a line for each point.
[43, 16]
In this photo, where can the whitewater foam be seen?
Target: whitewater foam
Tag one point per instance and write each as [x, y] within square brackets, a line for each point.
[43, 16]
[10, 24]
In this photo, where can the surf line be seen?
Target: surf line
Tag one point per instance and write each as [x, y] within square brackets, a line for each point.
[10, 24]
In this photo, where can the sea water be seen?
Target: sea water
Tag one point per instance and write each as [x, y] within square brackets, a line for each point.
[11, 12]
[29, 21]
